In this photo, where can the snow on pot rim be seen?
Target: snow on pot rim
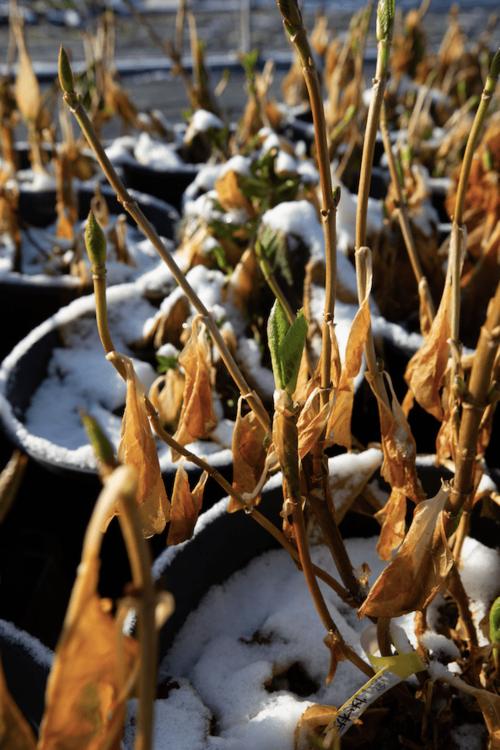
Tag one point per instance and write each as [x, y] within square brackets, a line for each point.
[224, 656]
[24, 369]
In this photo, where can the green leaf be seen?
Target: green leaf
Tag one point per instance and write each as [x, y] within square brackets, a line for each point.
[166, 362]
[495, 622]
[291, 351]
[103, 450]
[277, 328]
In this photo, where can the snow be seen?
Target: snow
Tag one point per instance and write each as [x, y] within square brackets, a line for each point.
[202, 120]
[156, 154]
[260, 622]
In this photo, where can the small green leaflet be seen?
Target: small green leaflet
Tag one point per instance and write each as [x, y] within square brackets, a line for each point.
[166, 363]
[495, 622]
[286, 343]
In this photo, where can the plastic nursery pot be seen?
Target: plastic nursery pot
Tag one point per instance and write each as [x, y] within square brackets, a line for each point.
[168, 183]
[26, 300]
[25, 369]
[26, 664]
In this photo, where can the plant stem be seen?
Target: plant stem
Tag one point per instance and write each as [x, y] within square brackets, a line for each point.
[457, 245]
[385, 18]
[403, 218]
[456, 589]
[315, 591]
[294, 26]
[474, 406]
[130, 205]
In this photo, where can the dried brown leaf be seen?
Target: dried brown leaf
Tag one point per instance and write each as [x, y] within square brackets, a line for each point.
[10, 481]
[426, 369]
[138, 449]
[489, 704]
[314, 718]
[197, 418]
[186, 506]
[398, 444]
[229, 193]
[249, 455]
[27, 90]
[312, 422]
[87, 688]
[420, 567]
[166, 395]
[15, 732]
[392, 518]
[339, 424]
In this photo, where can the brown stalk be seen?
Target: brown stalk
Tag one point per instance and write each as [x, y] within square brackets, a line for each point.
[292, 21]
[473, 407]
[294, 26]
[403, 218]
[132, 208]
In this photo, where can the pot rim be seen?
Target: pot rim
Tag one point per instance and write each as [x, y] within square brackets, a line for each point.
[41, 449]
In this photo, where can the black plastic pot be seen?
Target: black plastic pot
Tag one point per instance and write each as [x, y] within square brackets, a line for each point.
[166, 184]
[26, 302]
[26, 664]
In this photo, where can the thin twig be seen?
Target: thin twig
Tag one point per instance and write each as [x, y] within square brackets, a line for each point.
[131, 206]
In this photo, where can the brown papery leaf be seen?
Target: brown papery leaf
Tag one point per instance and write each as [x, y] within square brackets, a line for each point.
[166, 396]
[314, 718]
[229, 193]
[349, 475]
[420, 567]
[197, 417]
[27, 90]
[392, 518]
[425, 371]
[312, 422]
[15, 732]
[138, 449]
[249, 455]
[186, 506]
[87, 688]
[339, 424]
[398, 444]
[489, 703]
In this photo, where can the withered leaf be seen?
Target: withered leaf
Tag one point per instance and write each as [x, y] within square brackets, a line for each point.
[489, 703]
[197, 418]
[349, 475]
[312, 422]
[138, 449]
[398, 445]
[314, 718]
[249, 455]
[87, 688]
[230, 195]
[186, 506]
[392, 518]
[166, 396]
[15, 732]
[420, 567]
[339, 424]
[425, 371]
[27, 90]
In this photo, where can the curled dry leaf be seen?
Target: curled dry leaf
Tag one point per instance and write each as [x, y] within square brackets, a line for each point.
[249, 455]
[10, 481]
[314, 719]
[15, 732]
[489, 703]
[312, 422]
[27, 90]
[339, 424]
[166, 396]
[392, 518]
[90, 679]
[230, 195]
[186, 506]
[398, 444]
[197, 418]
[138, 449]
[420, 567]
[425, 371]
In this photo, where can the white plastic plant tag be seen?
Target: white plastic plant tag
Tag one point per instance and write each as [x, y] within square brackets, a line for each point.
[389, 671]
